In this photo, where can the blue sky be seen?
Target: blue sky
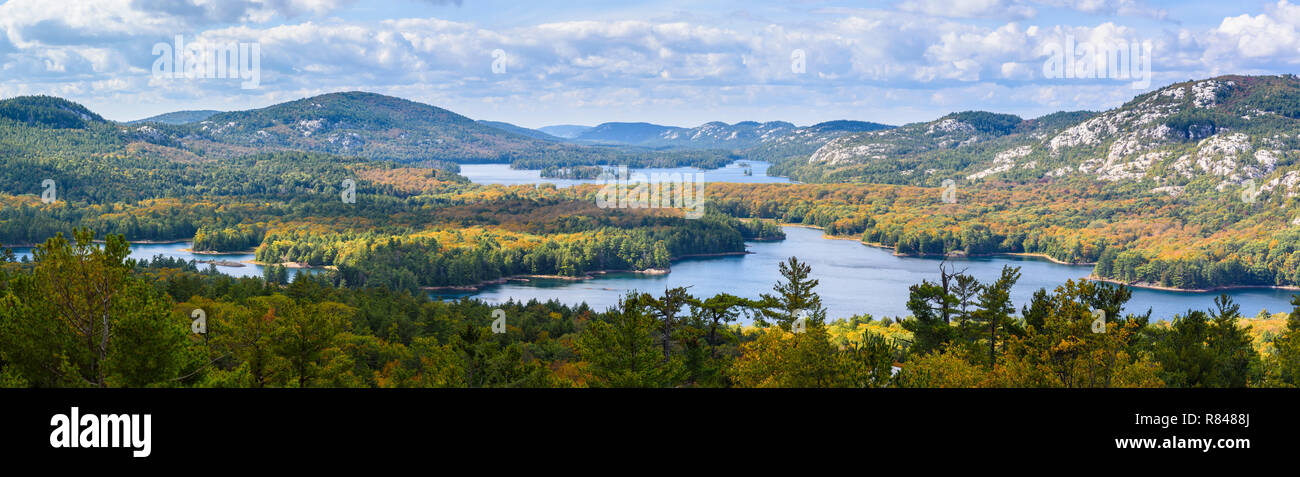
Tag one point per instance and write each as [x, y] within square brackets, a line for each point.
[670, 62]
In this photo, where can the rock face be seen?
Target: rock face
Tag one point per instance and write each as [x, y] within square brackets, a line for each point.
[949, 132]
[1224, 131]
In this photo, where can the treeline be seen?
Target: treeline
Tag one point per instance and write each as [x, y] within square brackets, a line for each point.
[469, 256]
[575, 172]
[221, 238]
[1249, 265]
[879, 215]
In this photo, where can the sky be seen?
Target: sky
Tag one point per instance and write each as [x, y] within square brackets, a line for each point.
[682, 63]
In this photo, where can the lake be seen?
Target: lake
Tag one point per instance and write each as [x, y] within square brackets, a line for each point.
[503, 174]
[854, 278]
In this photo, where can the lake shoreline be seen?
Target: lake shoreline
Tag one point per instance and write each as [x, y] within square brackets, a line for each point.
[210, 252]
[589, 276]
[944, 255]
[1152, 286]
[99, 241]
[529, 277]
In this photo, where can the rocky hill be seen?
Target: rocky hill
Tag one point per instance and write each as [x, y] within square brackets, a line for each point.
[1226, 132]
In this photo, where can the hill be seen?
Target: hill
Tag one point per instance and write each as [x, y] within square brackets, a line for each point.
[766, 141]
[178, 117]
[47, 111]
[381, 127]
[566, 131]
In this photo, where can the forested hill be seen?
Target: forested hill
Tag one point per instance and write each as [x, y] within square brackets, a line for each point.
[178, 117]
[381, 127]
[47, 111]
[369, 125]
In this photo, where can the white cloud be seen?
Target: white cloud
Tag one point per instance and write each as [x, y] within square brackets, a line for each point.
[1251, 41]
[926, 51]
[1014, 9]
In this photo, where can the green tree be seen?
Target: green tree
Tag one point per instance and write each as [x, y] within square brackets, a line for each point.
[665, 310]
[82, 319]
[794, 298]
[1284, 362]
[1208, 350]
[302, 333]
[994, 312]
[621, 352]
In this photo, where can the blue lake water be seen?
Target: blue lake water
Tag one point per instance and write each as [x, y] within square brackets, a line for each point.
[854, 278]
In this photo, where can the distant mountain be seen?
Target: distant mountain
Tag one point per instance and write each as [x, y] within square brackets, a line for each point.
[375, 126]
[634, 134]
[566, 131]
[719, 135]
[178, 117]
[522, 131]
[48, 111]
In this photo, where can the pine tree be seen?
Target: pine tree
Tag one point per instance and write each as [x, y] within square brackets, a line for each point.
[622, 352]
[995, 310]
[665, 310]
[794, 298]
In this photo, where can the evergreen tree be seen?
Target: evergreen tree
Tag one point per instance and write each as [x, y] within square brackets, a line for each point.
[794, 298]
[1284, 362]
[994, 312]
[622, 351]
